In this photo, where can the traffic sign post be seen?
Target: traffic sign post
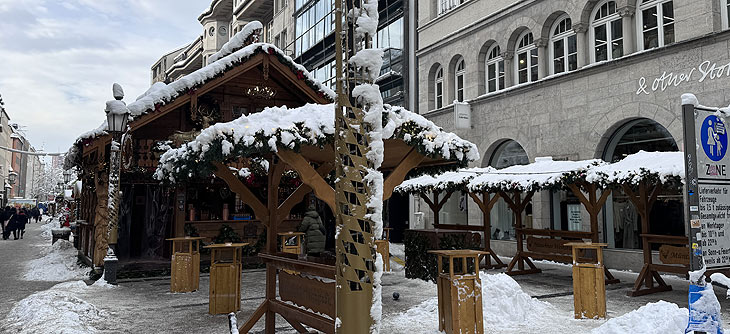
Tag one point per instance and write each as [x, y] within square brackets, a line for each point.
[707, 205]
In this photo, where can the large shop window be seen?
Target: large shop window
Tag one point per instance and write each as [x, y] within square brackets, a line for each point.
[607, 32]
[526, 59]
[439, 88]
[656, 24]
[459, 80]
[563, 47]
[623, 226]
[507, 154]
[495, 70]
[455, 211]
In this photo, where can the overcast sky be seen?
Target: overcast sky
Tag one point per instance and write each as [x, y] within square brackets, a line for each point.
[59, 58]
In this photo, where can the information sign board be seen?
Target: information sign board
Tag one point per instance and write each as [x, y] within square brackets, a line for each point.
[707, 195]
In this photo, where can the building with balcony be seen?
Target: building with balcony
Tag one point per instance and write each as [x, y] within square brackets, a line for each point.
[571, 79]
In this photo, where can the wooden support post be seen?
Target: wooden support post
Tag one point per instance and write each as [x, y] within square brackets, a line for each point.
[435, 204]
[259, 209]
[276, 170]
[485, 205]
[644, 201]
[309, 176]
[593, 205]
[410, 161]
[518, 205]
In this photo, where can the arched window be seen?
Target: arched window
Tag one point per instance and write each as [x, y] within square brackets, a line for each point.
[526, 59]
[459, 72]
[508, 153]
[656, 23]
[495, 70]
[439, 88]
[607, 35]
[563, 47]
[623, 226]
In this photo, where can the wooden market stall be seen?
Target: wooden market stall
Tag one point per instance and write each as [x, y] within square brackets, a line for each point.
[299, 141]
[246, 78]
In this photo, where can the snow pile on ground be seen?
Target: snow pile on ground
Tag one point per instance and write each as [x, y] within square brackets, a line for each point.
[57, 310]
[505, 307]
[653, 318]
[505, 304]
[58, 262]
[46, 229]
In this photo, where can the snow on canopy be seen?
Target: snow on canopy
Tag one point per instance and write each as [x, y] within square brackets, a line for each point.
[659, 167]
[543, 173]
[309, 125]
[446, 181]
[667, 167]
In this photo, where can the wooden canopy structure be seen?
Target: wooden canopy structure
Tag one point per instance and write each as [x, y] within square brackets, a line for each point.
[247, 79]
[300, 140]
[642, 176]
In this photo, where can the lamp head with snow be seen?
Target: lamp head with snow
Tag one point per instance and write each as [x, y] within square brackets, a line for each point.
[117, 113]
[67, 176]
[11, 177]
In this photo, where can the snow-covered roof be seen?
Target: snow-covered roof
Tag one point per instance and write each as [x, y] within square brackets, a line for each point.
[446, 181]
[664, 166]
[310, 125]
[545, 173]
[231, 55]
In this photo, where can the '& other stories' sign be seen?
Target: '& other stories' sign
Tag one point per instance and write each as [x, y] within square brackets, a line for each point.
[707, 70]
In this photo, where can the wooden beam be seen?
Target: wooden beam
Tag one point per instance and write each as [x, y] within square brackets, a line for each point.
[309, 176]
[254, 317]
[396, 177]
[313, 320]
[248, 197]
[298, 195]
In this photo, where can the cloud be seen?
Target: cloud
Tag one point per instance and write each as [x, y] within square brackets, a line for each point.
[58, 60]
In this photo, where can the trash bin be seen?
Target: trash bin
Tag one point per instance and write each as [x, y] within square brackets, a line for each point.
[459, 291]
[589, 285]
[60, 233]
[225, 278]
[291, 242]
[185, 264]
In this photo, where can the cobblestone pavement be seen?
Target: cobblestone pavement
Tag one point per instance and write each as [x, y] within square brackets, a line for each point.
[13, 256]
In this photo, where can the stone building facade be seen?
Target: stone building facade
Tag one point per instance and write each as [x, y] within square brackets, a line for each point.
[571, 79]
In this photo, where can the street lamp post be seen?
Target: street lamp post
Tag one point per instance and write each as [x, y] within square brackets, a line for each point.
[9, 187]
[117, 115]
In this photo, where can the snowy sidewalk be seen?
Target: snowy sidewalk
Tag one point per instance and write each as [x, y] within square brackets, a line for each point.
[509, 305]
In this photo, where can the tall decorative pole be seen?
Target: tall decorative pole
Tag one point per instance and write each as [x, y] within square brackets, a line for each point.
[359, 153]
[117, 116]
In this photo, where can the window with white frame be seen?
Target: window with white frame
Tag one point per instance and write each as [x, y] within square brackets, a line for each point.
[563, 47]
[495, 70]
[447, 5]
[459, 72]
[656, 23]
[526, 59]
[725, 12]
[439, 88]
[607, 35]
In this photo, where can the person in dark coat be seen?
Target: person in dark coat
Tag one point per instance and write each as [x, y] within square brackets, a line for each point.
[11, 223]
[35, 213]
[4, 216]
[21, 219]
[314, 232]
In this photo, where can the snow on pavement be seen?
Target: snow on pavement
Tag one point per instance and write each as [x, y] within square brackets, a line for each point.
[57, 310]
[506, 309]
[58, 262]
[653, 318]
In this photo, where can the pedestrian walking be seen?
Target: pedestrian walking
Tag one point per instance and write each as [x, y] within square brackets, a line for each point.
[35, 213]
[10, 223]
[21, 219]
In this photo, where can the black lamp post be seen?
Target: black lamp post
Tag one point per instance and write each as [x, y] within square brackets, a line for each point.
[117, 116]
[67, 176]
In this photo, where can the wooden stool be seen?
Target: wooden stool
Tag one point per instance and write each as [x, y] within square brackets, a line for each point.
[225, 278]
[459, 291]
[589, 285]
[185, 271]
